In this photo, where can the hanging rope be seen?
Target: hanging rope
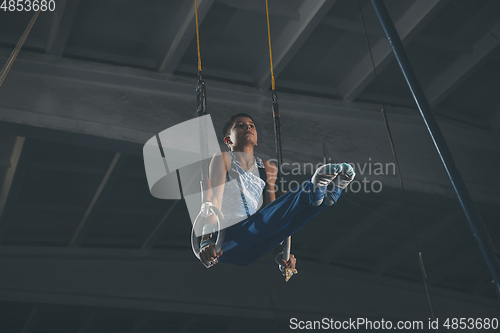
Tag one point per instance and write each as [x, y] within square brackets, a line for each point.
[270, 49]
[14, 53]
[197, 35]
[288, 272]
[201, 110]
[421, 262]
[200, 88]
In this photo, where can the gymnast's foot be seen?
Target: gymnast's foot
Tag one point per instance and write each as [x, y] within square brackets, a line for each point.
[334, 176]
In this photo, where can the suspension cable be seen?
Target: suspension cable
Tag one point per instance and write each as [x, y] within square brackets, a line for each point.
[288, 272]
[197, 35]
[270, 50]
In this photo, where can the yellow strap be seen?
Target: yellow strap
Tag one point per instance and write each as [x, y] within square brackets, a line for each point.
[270, 51]
[197, 35]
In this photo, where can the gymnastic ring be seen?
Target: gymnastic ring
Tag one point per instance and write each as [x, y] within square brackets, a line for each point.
[195, 242]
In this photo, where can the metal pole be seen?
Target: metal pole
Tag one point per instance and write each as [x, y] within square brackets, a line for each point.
[471, 213]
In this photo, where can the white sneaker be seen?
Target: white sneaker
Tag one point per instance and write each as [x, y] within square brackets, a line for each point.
[321, 179]
[345, 176]
[329, 175]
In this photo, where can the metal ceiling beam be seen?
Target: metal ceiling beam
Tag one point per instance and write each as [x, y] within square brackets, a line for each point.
[151, 239]
[10, 38]
[113, 169]
[112, 58]
[460, 69]
[335, 248]
[400, 253]
[31, 321]
[329, 92]
[137, 80]
[155, 101]
[73, 168]
[442, 114]
[217, 73]
[61, 27]
[55, 25]
[275, 9]
[351, 26]
[291, 39]
[76, 168]
[9, 175]
[185, 34]
[14, 178]
[413, 20]
[471, 23]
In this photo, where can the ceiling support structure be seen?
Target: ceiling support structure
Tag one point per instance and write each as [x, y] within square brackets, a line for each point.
[151, 239]
[22, 153]
[61, 27]
[290, 41]
[114, 168]
[475, 222]
[413, 20]
[9, 176]
[445, 83]
[184, 35]
[160, 227]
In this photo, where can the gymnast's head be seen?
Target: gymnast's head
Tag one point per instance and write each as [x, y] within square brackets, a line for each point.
[239, 132]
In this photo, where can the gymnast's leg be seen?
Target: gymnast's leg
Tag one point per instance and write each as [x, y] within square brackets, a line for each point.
[263, 231]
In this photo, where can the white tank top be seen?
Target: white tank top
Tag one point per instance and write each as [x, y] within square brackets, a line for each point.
[243, 197]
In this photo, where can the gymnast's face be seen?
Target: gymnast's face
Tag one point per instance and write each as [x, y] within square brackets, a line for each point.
[243, 133]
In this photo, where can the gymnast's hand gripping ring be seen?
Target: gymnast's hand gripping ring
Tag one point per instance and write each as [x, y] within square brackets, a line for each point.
[198, 224]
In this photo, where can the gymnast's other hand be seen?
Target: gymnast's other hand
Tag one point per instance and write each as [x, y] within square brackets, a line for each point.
[208, 254]
[290, 264]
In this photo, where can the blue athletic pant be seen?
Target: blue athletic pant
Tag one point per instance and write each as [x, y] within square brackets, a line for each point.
[260, 233]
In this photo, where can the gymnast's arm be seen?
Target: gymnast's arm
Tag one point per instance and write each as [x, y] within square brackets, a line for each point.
[219, 166]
